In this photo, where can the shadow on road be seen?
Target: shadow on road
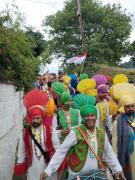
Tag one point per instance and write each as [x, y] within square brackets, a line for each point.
[19, 177]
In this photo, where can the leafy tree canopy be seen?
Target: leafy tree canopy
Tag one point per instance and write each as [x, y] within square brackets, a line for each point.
[106, 30]
[19, 49]
[132, 52]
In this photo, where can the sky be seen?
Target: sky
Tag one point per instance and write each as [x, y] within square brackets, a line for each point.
[36, 10]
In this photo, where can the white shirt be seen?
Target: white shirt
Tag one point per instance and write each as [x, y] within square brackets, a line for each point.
[37, 166]
[108, 156]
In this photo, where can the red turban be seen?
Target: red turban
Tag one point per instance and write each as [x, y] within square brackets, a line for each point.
[35, 111]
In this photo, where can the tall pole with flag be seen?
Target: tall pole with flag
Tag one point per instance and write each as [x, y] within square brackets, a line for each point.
[81, 26]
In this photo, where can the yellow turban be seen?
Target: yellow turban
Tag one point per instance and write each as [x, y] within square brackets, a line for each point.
[50, 109]
[66, 80]
[120, 78]
[127, 100]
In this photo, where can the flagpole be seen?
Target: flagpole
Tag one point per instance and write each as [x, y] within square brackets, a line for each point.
[79, 14]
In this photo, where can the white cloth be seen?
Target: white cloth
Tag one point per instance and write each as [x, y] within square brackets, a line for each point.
[54, 122]
[108, 156]
[37, 166]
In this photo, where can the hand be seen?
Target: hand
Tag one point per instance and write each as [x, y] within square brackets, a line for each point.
[64, 132]
[114, 116]
[43, 176]
[132, 125]
[119, 176]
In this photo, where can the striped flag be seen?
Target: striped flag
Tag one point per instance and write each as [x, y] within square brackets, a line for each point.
[77, 59]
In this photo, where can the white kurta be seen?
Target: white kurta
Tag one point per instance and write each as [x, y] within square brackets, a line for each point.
[91, 163]
[37, 166]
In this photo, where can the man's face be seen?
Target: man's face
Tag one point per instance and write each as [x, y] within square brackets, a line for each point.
[36, 121]
[90, 121]
[67, 105]
[129, 109]
[45, 79]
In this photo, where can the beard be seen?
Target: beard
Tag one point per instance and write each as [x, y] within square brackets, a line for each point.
[130, 112]
[36, 124]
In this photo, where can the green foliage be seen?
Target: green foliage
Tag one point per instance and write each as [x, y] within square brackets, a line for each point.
[106, 30]
[132, 51]
[38, 39]
[18, 50]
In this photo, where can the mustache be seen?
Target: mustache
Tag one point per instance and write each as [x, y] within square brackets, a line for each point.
[36, 124]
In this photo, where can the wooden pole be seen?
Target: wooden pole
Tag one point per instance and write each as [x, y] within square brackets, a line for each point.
[81, 27]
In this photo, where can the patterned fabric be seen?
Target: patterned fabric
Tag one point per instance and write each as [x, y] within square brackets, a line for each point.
[125, 145]
[20, 169]
[102, 109]
[79, 151]
[63, 119]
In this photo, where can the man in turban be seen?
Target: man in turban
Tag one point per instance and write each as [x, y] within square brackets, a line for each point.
[104, 119]
[67, 116]
[37, 141]
[123, 140]
[80, 157]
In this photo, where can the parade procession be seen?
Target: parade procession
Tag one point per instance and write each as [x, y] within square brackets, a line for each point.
[67, 90]
[88, 134]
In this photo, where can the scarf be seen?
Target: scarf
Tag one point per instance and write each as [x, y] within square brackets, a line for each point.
[20, 169]
[125, 144]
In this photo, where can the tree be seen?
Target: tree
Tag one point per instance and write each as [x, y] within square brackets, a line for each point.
[132, 52]
[17, 62]
[106, 30]
[38, 39]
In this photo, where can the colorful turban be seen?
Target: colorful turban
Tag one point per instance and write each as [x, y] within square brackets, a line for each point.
[35, 111]
[109, 78]
[73, 76]
[85, 85]
[65, 97]
[82, 99]
[58, 88]
[50, 109]
[88, 109]
[127, 100]
[66, 80]
[83, 76]
[100, 79]
[120, 78]
[102, 88]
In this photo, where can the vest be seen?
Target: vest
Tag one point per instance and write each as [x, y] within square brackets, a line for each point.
[77, 154]
[74, 118]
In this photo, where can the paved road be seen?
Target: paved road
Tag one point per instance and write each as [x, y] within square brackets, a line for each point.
[19, 178]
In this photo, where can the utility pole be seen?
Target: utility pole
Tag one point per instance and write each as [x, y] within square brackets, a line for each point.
[80, 21]
[79, 14]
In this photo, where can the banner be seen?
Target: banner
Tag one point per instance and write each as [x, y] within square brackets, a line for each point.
[77, 59]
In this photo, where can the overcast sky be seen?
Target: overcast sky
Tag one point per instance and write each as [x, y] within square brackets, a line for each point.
[36, 10]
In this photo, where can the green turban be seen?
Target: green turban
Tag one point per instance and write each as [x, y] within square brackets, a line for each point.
[84, 76]
[65, 97]
[58, 88]
[88, 109]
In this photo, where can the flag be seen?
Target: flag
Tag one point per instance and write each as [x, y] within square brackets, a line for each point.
[77, 59]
